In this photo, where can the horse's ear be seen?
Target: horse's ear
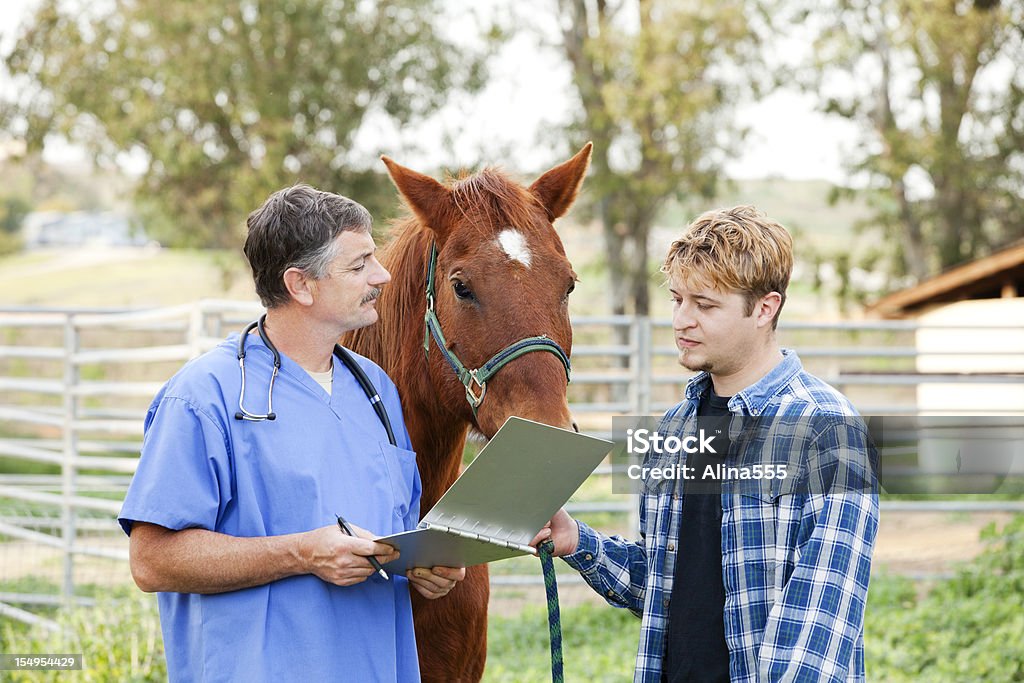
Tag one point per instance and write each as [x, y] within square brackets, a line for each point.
[430, 200]
[557, 189]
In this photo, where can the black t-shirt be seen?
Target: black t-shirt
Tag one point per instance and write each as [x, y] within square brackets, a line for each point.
[695, 648]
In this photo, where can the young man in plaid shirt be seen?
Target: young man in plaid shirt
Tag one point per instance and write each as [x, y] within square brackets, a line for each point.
[766, 579]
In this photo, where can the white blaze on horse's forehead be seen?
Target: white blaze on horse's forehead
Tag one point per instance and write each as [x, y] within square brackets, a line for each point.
[514, 244]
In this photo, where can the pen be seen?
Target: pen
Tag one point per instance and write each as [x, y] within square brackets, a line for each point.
[343, 525]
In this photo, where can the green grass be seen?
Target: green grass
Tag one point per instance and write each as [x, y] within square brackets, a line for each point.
[966, 628]
[122, 277]
[599, 644]
[38, 585]
[119, 639]
[10, 465]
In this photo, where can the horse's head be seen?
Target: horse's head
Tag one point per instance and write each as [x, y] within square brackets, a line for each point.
[501, 277]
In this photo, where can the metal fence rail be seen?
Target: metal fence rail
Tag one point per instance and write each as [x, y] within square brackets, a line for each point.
[75, 384]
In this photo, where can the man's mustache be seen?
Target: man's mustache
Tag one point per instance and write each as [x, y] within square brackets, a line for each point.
[374, 293]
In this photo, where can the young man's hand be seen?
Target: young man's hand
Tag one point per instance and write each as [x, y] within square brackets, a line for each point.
[562, 529]
[435, 582]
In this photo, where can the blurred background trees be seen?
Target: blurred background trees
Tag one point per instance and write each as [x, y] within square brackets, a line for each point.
[657, 83]
[937, 89]
[219, 103]
[223, 102]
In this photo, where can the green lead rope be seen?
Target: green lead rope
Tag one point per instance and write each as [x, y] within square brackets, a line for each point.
[547, 565]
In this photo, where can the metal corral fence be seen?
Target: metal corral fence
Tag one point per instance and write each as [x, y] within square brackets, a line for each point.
[75, 384]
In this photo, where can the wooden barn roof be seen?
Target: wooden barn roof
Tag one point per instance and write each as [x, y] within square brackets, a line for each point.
[991, 277]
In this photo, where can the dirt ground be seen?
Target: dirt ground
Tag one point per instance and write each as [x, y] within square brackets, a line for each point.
[914, 543]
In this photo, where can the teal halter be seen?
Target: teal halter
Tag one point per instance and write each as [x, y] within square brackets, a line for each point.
[476, 380]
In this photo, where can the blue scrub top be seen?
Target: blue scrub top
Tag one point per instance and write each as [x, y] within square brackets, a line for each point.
[202, 468]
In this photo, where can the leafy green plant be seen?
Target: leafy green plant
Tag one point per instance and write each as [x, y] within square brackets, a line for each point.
[966, 628]
[119, 639]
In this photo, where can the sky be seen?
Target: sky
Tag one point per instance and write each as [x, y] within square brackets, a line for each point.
[526, 99]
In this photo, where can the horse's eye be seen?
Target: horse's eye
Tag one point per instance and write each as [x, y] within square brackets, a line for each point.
[572, 287]
[462, 291]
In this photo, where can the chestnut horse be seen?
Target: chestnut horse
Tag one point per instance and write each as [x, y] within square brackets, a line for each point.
[501, 276]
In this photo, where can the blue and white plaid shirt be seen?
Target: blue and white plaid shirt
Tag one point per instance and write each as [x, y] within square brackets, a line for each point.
[795, 561]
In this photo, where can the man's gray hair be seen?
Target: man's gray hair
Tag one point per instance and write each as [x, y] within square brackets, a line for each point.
[297, 227]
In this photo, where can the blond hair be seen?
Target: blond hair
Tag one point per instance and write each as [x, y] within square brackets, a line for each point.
[738, 249]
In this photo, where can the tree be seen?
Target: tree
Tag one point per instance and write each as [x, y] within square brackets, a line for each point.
[657, 82]
[938, 91]
[226, 101]
[13, 210]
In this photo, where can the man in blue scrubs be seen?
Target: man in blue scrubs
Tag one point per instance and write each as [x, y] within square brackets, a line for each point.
[233, 520]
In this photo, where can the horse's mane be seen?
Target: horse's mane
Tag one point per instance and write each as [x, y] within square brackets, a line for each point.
[491, 200]
[488, 201]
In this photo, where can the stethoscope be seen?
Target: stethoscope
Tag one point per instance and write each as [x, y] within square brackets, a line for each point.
[341, 353]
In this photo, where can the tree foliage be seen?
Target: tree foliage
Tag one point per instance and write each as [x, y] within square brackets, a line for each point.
[937, 89]
[227, 101]
[13, 210]
[15, 204]
[657, 83]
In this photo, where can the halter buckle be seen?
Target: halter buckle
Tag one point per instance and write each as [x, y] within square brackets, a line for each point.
[475, 400]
